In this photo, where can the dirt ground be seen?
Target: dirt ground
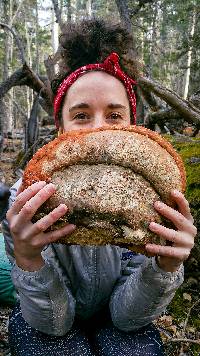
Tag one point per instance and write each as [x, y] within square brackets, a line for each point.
[4, 315]
[8, 177]
[8, 159]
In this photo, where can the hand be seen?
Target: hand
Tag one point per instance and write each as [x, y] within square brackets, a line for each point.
[29, 239]
[169, 258]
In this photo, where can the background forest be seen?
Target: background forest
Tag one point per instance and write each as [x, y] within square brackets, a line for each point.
[167, 43]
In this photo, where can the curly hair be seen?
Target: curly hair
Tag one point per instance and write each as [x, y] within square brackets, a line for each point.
[91, 41]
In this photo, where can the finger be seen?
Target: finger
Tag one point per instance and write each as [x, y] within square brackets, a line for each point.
[176, 218]
[32, 205]
[55, 235]
[183, 205]
[48, 220]
[24, 196]
[178, 253]
[178, 238]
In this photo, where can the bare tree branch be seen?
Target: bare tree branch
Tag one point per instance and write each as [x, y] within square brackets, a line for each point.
[25, 76]
[16, 12]
[185, 108]
[19, 44]
[22, 76]
[192, 341]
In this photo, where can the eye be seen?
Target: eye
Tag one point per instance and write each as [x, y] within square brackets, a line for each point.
[115, 116]
[81, 116]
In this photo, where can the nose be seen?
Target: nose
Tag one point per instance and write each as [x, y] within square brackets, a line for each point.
[99, 121]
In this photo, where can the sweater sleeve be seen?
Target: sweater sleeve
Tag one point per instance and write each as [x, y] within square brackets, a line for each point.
[45, 296]
[142, 293]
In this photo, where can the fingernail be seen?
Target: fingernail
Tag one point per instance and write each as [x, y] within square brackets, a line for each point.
[63, 207]
[175, 193]
[153, 225]
[41, 182]
[72, 227]
[158, 204]
[149, 247]
[50, 186]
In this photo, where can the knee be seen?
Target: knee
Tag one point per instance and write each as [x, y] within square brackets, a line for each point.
[146, 341]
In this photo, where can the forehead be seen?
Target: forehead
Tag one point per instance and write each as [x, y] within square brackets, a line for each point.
[97, 83]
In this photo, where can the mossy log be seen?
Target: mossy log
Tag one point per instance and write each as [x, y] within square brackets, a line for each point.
[189, 149]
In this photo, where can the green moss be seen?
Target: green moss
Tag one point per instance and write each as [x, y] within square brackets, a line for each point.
[179, 309]
[175, 308]
[190, 153]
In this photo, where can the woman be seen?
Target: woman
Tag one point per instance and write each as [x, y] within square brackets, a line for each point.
[90, 300]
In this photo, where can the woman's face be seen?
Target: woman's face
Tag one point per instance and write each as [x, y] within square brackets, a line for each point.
[96, 99]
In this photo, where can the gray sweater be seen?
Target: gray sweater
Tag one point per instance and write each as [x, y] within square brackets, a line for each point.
[80, 281]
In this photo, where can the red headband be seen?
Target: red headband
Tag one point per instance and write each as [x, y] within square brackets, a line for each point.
[110, 66]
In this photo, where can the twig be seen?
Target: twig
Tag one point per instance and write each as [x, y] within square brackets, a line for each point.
[16, 12]
[188, 315]
[184, 340]
[19, 44]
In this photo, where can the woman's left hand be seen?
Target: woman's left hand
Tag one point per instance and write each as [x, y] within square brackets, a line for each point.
[169, 258]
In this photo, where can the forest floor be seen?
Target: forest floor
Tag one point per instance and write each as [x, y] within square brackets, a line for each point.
[179, 326]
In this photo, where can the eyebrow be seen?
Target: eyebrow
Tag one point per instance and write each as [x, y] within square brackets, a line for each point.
[87, 106]
[116, 106]
[79, 106]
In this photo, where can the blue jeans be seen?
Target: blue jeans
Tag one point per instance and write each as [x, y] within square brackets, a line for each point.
[90, 338]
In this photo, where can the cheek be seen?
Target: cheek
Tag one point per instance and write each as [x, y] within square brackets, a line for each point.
[73, 125]
[67, 125]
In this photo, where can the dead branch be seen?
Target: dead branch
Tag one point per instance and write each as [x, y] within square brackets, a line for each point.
[25, 76]
[185, 108]
[22, 76]
[16, 12]
[192, 341]
[188, 315]
[161, 116]
[50, 69]
[18, 42]
[149, 98]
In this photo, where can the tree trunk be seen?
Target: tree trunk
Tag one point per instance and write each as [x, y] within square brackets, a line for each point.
[58, 14]
[32, 126]
[29, 93]
[152, 57]
[69, 11]
[141, 39]
[124, 14]
[54, 32]
[8, 124]
[37, 60]
[185, 108]
[89, 8]
[189, 55]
